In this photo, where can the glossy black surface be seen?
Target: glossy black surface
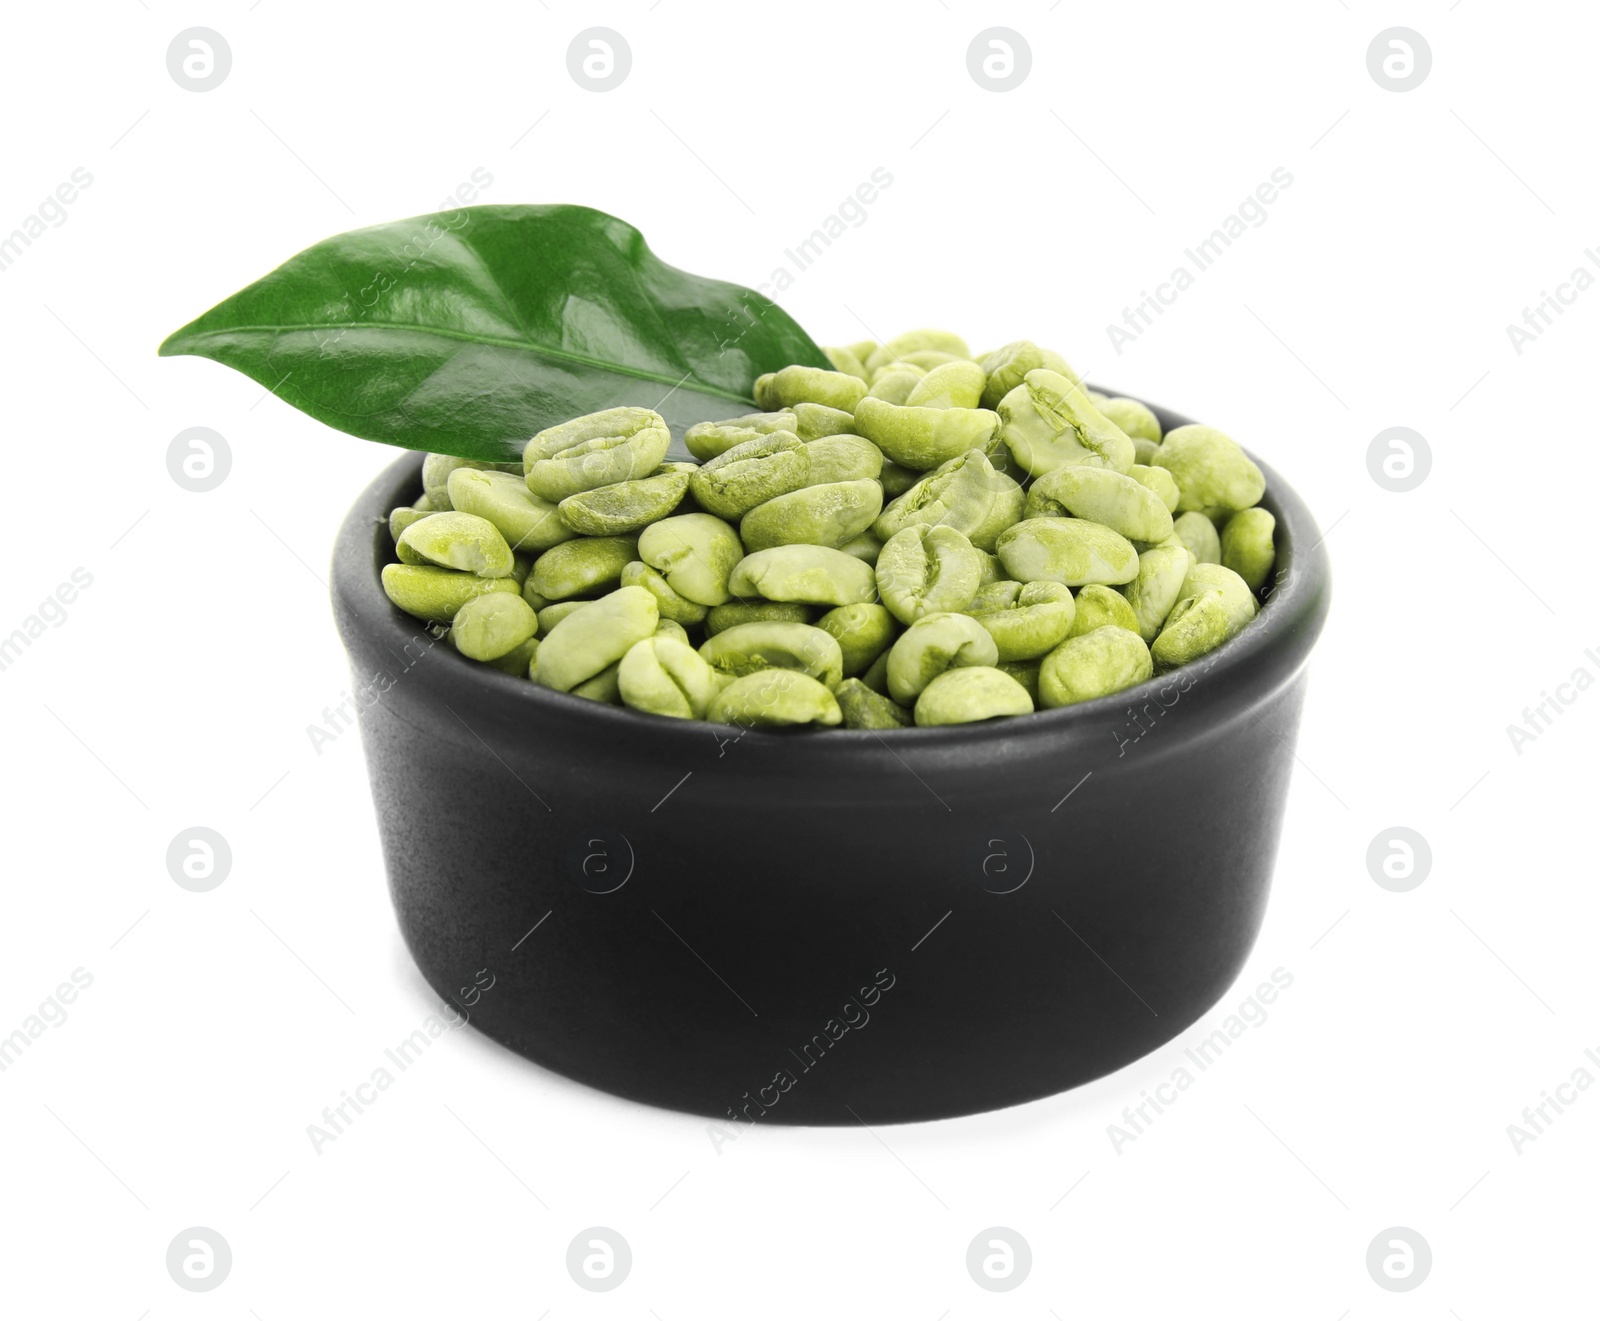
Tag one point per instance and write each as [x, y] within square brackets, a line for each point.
[1036, 901]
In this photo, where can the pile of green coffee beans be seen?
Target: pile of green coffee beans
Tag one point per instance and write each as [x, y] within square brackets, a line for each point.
[918, 536]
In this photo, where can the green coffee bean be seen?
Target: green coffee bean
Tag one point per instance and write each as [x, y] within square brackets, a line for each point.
[552, 615]
[746, 648]
[827, 515]
[816, 421]
[990, 569]
[965, 493]
[604, 687]
[865, 548]
[589, 640]
[877, 675]
[921, 437]
[486, 627]
[896, 480]
[723, 617]
[436, 471]
[1199, 534]
[810, 385]
[435, 594]
[457, 541]
[739, 479]
[844, 360]
[1025, 621]
[915, 341]
[862, 348]
[1027, 674]
[586, 566]
[402, 518]
[894, 384]
[1134, 419]
[695, 553]
[932, 645]
[927, 570]
[1236, 594]
[954, 384]
[771, 698]
[671, 627]
[1098, 606]
[1247, 546]
[1144, 451]
[521, 567]
[977, 692]
[1211, 469]
[1197, 624]
[530, 595]
[665, 676]
[862, 708]
[669, 604]
[615, 445]
[863, 632]
[609, 511]
[1157, 587]
[424, 504]
[1007, 366]
[523, 519]
[1108, 498]
[706, 440]
[1159, 481]
[1049, 422]
[519, 660]
[1073, 551]
[816, 575]
[1093, 665]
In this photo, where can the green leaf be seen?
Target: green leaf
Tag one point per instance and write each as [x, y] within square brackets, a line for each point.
[468, 331]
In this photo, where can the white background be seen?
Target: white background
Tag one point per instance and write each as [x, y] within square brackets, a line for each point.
[179, 689]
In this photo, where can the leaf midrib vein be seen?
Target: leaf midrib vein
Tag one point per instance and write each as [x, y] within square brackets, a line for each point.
[500, 341]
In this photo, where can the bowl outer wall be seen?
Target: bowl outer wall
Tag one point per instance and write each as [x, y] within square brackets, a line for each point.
[1093, 878]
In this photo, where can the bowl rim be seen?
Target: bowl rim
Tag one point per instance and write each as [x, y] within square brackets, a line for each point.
[1276, 643]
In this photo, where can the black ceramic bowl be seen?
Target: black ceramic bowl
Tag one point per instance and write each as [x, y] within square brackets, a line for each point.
[830, 926]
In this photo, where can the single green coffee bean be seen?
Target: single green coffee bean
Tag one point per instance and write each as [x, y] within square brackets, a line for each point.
[487, 627]
[915, 341]
[1027, 674]
[816, 575]
[695, 553]
[435, 594]
[519, 660]
[589, 640]
[1098, 607]
[1093, 665]
[775, 698]
[457, 541]
[1027, 622]
[863, 708]
[965, 493]
[954, 384]
[425, 504]
[585, 566]
[865, 548]
[1211, 469]
[1144, 451]
[672, 628]
[921, 437]
[436, 470]
[977, 692]
[810, 385]
[815, 421]
[1105, 496]
[609, 511]
[530, 595]
[877, 675]
[825, 515]
[706, 440]
[1157, 587]
[739, 479]
[599, 449]
[521, 567]
[1236, 594]
[897, 480]
[1006, 367]
[932, 645]
[1247, 546]
[678, 609]
[552, 615]
[1073, 551]
[990, 569]
[1199, 534]
[1049, 422]
[746, 648]
[402, 518]
[927, 570]
[723, 617]
[863, 631]
[604, 687]
[1160, 482]
[844, 360]
[894, 383]
[1135, 420]
[664, 675]
[1197, 624]
[524, 520]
